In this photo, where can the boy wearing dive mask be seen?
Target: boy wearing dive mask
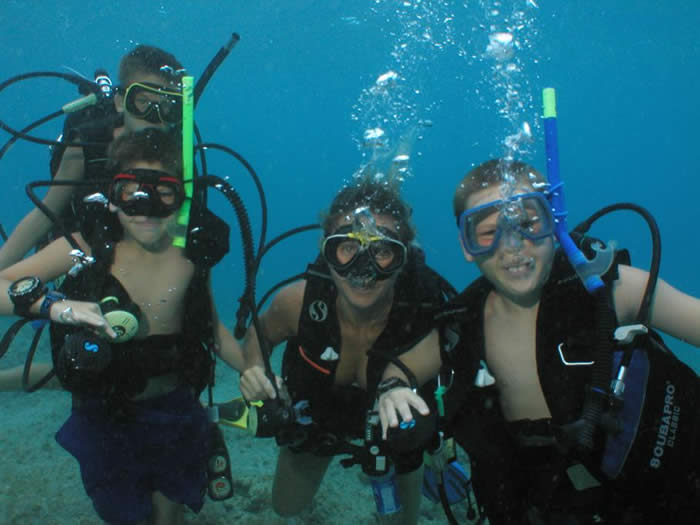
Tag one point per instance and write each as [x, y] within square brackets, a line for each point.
[361, 297]
[525, 359]
[148, 96]
[137, 427]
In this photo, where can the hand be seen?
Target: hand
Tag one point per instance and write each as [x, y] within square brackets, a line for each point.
[399, 400]
[81, 313]
[255, 385]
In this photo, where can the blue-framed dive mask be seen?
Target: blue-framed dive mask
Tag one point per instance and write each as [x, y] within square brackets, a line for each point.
[527, 215]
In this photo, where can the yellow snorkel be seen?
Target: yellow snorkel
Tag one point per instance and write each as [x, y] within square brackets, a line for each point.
[183, 216]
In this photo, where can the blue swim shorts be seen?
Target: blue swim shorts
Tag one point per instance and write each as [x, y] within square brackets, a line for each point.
[159, 444]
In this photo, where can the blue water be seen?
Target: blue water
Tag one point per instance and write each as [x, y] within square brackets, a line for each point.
[625, 72]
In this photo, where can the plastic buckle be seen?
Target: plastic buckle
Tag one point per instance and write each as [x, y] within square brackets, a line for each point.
[626, 334]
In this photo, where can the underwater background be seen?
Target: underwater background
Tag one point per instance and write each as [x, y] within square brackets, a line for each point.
[302, 97]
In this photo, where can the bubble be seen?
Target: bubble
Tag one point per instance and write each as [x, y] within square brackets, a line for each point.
[373, 138]
[350, 20]
[501, 46]
[400, 164]
[386, 79]
[394, 100]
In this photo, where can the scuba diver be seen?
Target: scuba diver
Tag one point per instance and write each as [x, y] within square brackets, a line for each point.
[355, 327]
[146, 97]
[569, 405]
[149, 96]
[133, 337]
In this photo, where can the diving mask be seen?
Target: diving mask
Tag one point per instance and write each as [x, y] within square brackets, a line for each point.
[154, 103]
[527, 215]
[150, 193]
[363, 249]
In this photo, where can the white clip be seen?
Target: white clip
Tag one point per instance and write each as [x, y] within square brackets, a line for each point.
[484, 377]
[626, 334]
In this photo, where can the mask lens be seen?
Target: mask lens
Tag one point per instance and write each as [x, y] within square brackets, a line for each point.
[388, 255]
[535, 219]
[345, 250]
[340, 251]
[484, 226]
[168, 193]
[125, 190]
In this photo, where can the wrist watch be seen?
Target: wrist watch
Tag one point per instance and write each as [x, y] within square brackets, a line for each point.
[24, 293]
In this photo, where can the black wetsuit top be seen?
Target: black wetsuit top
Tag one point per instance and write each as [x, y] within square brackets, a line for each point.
[521, 467]
[311, 357]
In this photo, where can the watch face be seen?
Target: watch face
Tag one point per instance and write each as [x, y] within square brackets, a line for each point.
[25, 285]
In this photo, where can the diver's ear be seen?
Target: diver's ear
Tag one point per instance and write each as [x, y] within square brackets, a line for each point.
[119, 102]
[469, 257]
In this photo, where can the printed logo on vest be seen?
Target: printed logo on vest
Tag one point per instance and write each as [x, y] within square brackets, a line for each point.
[318, 311]
[668, 426]
[329, 354]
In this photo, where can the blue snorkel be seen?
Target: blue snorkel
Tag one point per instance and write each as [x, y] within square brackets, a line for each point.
[588, 271]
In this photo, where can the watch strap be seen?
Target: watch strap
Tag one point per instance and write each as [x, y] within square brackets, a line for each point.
[52, 296]
[389, 384]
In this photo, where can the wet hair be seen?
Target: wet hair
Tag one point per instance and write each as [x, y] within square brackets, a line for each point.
[380, 198]
[148, 60]
[490, 173]
[149, 145]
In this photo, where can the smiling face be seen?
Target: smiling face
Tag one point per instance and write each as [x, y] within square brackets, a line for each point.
[151, 232]
[518, 267]
[361, 293]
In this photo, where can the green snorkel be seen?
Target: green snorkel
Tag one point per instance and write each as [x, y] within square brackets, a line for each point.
[183, 216]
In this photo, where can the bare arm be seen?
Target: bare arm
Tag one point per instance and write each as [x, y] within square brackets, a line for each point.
[47, 264]
[279, 323]
[53, 261]
[424, 361]
[35, 225]
[227, 348]
[672, 311]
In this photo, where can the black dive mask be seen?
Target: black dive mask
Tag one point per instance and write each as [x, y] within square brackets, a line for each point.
[154, 103]
[150, 193]
[360, 256]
